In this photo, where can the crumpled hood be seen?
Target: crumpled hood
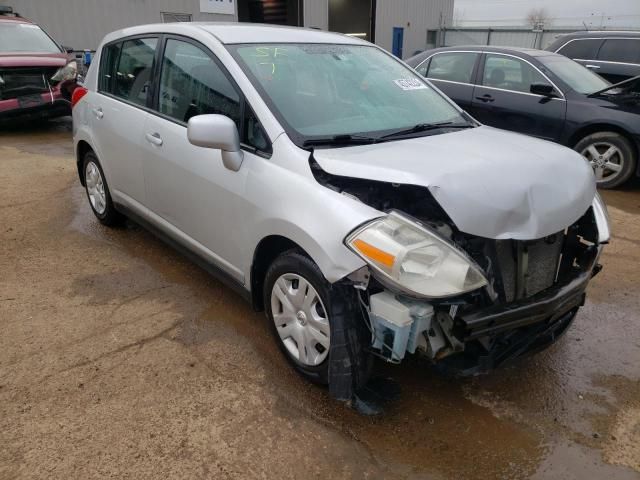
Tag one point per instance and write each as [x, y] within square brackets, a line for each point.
[491, 183]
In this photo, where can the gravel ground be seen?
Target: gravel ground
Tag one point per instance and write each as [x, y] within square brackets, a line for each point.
[119, 358]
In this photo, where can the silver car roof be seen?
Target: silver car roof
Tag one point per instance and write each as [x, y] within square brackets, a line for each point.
[230, 33]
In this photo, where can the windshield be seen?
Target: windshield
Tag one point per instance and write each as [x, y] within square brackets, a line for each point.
[25, 37]
[324, 90]
[579, 78]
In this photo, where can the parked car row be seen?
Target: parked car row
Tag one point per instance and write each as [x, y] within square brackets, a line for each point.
[37, 76]
[546, 95]
[344, 195]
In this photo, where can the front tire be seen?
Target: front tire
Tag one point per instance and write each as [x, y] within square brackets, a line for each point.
[98, 194]
[295, 299]
[611, 156]
[317, 325]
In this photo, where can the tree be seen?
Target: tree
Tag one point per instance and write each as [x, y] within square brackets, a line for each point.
[538, 18]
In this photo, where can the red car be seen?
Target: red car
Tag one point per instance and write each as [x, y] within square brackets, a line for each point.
[37, 76]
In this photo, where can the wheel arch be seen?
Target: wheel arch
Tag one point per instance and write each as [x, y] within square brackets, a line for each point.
[82, 148]
[267, 250]
[601, 127]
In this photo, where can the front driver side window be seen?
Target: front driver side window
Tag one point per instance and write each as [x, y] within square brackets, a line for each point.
[454, 67]
[192, 83]
[510, 73]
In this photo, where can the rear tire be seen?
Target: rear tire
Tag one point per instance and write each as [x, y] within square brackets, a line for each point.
[611, 156]
[98, 194]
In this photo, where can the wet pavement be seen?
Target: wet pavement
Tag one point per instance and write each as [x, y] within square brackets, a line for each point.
[119, 358]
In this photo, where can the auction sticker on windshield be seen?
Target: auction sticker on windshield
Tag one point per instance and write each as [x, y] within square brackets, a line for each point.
[410, 84]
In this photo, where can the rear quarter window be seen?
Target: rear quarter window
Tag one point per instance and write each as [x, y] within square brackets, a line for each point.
[586, 49]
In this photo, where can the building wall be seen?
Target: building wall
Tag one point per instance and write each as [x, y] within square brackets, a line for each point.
[415, 16]
[316, 14]
[81, 24]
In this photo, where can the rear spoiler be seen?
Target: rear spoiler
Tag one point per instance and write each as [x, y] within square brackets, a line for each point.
[624, 83]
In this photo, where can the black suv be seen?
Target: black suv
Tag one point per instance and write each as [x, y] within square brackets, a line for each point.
[614, 55]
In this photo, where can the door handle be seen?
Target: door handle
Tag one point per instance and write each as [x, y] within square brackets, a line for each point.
[154, 138]
[485, 98]
[98, 112]
[592, 66]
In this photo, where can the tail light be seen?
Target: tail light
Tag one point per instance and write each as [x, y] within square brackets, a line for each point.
[77, 95]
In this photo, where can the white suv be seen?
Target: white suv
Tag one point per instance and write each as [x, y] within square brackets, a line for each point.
[342, 193]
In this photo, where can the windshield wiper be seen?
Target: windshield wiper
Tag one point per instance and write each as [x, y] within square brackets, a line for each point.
[345, 139]
[425, 127]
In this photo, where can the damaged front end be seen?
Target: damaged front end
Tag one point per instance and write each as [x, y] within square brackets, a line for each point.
[468, 303]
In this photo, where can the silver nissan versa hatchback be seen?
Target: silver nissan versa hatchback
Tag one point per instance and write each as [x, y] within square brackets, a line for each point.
[342, 193]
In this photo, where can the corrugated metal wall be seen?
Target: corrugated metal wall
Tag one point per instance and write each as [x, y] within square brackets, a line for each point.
[501, 37]
[82, 23]
[415, 16]
[316, 14]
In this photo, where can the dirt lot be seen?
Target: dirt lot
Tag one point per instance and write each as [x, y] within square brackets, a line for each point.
[119, 358]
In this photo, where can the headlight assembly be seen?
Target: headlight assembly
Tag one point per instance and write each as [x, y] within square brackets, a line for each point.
[601, 215]
[415, 259]
[68, 72]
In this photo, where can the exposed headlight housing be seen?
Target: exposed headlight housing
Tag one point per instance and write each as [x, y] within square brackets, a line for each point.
[68, 72]
[415, 259]
[601, 215]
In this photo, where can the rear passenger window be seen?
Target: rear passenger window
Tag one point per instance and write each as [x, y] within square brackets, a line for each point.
[108, 62]
[455, 67]
[133, 74]
[586, 49]
[191, 83]
[620, 50]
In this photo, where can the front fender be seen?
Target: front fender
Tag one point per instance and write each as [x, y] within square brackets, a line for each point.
[298, 208]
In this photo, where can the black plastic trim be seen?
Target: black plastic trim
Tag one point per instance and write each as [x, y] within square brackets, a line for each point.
[548, 305]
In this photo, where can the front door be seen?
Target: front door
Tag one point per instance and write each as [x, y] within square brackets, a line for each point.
[502, 98]
[188, 186]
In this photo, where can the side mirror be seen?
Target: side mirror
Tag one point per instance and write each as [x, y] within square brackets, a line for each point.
[218, 132]
[543, 89]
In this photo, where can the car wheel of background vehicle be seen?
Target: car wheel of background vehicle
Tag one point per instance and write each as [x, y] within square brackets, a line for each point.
[611, 156]
[98, 192]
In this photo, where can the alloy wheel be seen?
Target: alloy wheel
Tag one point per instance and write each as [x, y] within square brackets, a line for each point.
[606, 160]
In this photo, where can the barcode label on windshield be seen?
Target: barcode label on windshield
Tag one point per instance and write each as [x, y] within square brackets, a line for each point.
[410, 84]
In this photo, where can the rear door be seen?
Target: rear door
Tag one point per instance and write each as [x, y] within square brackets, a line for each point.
[118, 113]
[584, 51]
[502, 98]
[453, 73]
[619, 59]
